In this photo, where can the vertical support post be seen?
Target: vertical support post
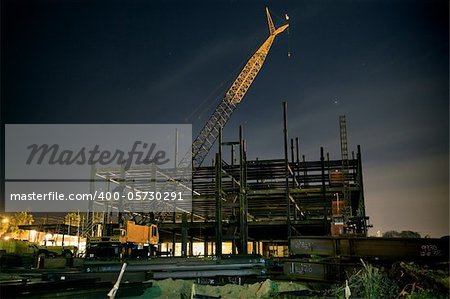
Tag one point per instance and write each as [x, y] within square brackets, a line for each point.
[292, 150]
[242, 196]
[89, 219]
[324, 192]
[297, 158]
[233, 154]
[122, 187]
[109, 206]
[347, 210]
[361, 204]
[174, 215]
[233, 211]
[92, 191]
[174, 239]
[184, 230]
[305, 171]
[175, 160]
[68, 228]
[297, 174]
[328, 163]
[293, 163]
[286, 168]
[219, 198]
[191, 241]
[205, 246]
[294, 180]
[106, 215]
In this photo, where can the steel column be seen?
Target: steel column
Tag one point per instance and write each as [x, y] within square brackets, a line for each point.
[218, 192]
[184, 230]
[242, 197]
[286, 161]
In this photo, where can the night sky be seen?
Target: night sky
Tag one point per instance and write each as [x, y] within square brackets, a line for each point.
[384, 64]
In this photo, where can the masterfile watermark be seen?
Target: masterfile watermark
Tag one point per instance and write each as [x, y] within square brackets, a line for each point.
[52, 154]
[99, 196]
[62, 168]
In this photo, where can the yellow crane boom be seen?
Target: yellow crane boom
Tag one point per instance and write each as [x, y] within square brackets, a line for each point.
[208, 135]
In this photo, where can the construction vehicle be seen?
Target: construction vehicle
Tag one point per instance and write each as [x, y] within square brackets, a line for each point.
[54, 251]
[12, 246]
[131, 240]
[20, 247]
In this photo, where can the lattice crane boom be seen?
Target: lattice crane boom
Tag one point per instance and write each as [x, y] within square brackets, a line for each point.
[208, 135]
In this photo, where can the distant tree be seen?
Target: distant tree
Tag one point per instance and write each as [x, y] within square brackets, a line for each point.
[409, 234]
[391, 234]
[20, 218]
[403, 234]
[4, 224]
[73, 219]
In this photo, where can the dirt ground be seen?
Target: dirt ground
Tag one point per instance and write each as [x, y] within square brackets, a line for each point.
[169, 288]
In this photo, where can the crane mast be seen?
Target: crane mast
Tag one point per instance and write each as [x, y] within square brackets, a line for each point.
[208, 135]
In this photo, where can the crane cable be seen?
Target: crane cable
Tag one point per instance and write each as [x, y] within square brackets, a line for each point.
[288, 36]
[289, 41]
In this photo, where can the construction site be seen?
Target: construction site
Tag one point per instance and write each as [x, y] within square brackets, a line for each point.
[288, 227]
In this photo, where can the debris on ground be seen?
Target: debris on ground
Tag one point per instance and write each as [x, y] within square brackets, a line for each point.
[403, 280]
[416, 278]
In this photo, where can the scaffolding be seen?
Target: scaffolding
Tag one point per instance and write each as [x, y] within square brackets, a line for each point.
[250, 201]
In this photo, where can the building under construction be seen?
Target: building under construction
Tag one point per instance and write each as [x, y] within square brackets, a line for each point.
[253, 204]
[264, 201]
[247, 218]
